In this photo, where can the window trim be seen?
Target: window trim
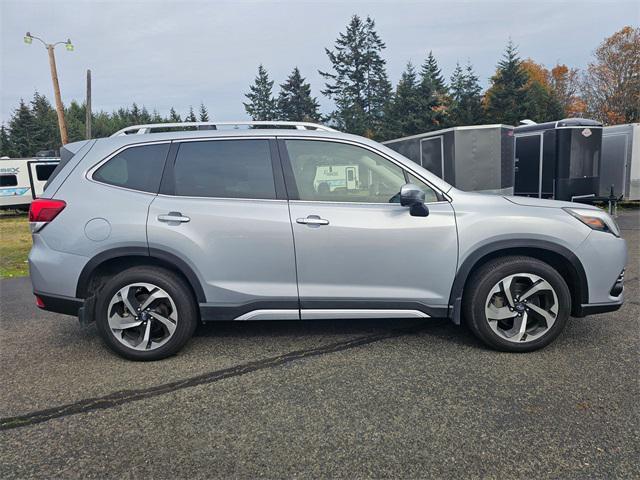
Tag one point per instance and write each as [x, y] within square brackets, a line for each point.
[293, 189]
[167, 187]
[90, 172]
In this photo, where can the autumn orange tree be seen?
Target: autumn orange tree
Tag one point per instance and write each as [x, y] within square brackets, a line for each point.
[611, 84]
[565, 82]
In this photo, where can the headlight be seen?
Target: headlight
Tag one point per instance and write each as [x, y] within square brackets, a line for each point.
[595, 219]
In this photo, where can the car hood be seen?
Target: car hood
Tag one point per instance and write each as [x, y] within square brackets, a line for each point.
[542, 202]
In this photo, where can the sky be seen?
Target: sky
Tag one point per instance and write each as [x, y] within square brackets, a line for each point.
[162, 53]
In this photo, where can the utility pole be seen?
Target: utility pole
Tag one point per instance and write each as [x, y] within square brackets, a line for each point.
[87, 120]
[28, 39]
[56, 92]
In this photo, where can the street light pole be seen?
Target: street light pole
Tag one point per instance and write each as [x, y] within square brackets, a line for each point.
[64, 137]
[56, 92]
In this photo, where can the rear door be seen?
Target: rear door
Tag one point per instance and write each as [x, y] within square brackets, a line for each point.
[359, 254]
[223, 210]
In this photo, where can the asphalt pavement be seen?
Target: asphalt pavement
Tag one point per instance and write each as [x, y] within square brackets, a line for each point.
[385, 398]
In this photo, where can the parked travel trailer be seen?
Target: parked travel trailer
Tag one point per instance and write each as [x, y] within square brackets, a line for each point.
[620, 163]
[331, 177]
[23, 179]
[559, 159]
[475, 158]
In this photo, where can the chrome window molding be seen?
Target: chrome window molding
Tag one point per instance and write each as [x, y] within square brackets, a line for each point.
[242, 199]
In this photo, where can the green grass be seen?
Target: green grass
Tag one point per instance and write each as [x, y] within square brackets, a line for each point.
[15, 242]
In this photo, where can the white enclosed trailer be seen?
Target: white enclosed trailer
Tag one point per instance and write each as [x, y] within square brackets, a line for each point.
[23, 179]
[620, 163]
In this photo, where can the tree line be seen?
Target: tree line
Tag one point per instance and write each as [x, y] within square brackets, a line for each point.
[366, 103]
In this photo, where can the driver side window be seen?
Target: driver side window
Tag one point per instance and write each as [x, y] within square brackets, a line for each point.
[339, 172]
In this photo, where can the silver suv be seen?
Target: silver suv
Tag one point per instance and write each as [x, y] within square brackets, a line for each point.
[149, 233]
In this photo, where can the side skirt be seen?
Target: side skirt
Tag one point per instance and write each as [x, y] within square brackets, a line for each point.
[319, 310]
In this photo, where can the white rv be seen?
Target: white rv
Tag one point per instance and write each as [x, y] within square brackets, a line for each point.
[23, 179]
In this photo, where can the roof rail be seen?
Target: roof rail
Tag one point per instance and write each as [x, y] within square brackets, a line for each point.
[141, 129]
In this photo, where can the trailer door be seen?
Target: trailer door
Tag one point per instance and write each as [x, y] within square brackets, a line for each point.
[431, 155]
[528, 165]
[613, 167]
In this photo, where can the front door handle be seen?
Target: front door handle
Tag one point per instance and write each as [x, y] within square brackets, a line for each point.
[312, 220]
[171, 217]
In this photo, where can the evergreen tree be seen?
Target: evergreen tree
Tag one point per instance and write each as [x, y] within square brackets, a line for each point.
[204, 114]
[21, 128]
[144, 115]
[505, 99]
[174, 116]
[466, 97]
[295, 102]
[432, 96]
[46, 133]
[75, 117]
[541, 104]
[261, 104]
[5, 143]
[135, 114]
[430, 72]
[358, 83]
[156, 118]
[404, 114]
[102, 125]
[191, 117]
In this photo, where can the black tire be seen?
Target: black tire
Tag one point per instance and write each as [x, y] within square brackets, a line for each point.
[172, 284]
[483, 280]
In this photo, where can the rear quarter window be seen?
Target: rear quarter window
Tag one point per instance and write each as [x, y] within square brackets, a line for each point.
[137, 168]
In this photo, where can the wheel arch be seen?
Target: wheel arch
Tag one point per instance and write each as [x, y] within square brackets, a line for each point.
[557, 256]
[110, 261]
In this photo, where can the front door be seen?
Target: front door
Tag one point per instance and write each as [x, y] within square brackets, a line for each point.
[359, 254]
[222, 210]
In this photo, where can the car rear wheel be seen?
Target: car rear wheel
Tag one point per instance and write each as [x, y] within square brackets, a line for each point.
[146, 313]
[517, 304]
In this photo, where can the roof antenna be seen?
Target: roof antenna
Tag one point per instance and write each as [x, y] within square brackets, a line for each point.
[526, 121]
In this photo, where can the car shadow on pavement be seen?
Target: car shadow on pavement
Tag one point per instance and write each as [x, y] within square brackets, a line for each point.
[436, 328]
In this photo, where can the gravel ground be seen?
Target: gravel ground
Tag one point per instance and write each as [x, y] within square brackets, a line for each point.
[321, 399]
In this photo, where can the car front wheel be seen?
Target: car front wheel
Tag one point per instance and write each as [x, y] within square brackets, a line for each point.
[517, 304]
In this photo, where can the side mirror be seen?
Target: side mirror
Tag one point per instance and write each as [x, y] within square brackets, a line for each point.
[412, 196]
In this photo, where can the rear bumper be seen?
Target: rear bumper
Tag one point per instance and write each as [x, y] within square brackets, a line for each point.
[60, 304]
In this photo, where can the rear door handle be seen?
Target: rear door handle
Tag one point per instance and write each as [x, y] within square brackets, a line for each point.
[312, 220]
[173, 217]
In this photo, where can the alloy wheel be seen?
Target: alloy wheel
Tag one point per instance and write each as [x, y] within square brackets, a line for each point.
[142, 316]
[521, 307]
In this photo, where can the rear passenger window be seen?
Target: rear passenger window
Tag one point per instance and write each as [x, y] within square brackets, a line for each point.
[137, 168]
[8, 180]
[224, 169]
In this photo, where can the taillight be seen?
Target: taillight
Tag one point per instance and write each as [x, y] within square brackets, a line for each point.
[45, 209]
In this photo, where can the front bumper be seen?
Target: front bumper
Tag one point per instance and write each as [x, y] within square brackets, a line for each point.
[595, 308]
[603, 257]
